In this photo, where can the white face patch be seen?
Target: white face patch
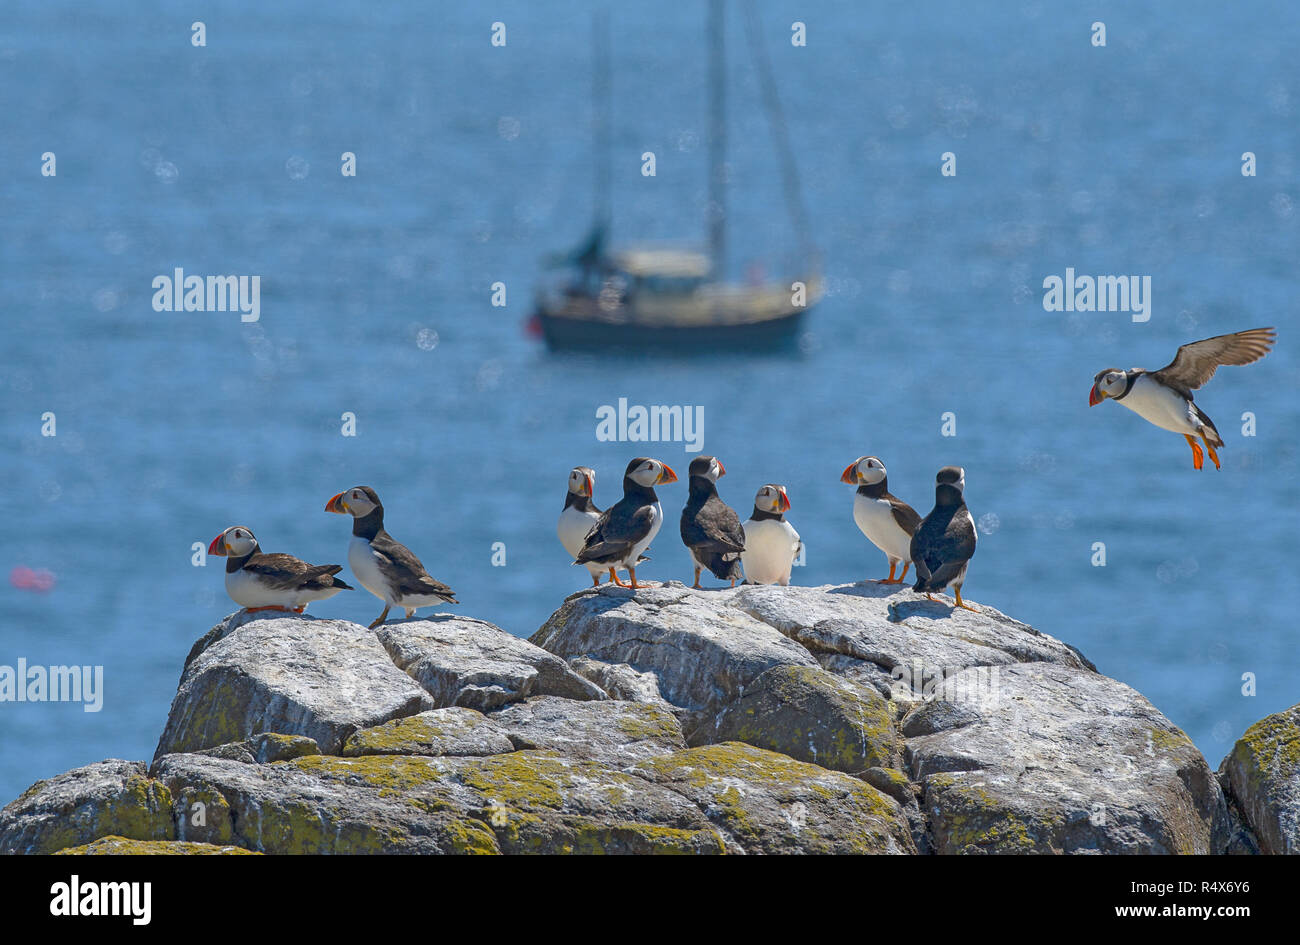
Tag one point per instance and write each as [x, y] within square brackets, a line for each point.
[871, 471]
[1113, 383]
[647, 475]
[239, 541]
[359, 503]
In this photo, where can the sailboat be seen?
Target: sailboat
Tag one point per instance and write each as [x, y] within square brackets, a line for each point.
[674, 297]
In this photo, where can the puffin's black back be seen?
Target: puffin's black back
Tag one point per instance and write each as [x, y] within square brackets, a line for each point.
[945, 539]
[710, 527]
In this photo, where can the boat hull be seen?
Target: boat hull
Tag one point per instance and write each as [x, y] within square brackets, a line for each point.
[577, 334]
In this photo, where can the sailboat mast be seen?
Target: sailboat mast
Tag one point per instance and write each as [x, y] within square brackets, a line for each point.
[600, 117]
[717, 210]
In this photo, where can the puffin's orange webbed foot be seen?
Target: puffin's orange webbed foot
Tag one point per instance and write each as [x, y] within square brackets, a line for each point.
[613, 576]
[891, 579]
[636, 585]
[1198, 457]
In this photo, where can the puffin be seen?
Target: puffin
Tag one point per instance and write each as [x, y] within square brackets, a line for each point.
[579, 517]
[1164, 397]
[945, 540]
[711, 529]
[888, 522]
[627, 527]
[258, 581]
[386, 568]
[771, 543]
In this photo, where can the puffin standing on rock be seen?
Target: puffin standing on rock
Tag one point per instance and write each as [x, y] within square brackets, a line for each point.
[1164, 397]
[386, 568]
[945, 540]
[257, 581]
[771, 543]
[627, 527]
[579, 517]
[711, 529]
[888, 522]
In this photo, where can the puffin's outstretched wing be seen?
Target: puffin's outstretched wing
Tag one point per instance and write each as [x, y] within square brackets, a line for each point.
[403, 569]
[1196, 363]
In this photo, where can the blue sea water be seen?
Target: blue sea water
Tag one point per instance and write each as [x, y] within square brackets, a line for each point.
[473, 163]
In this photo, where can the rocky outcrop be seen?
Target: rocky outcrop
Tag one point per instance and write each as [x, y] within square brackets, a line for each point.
[84, 804]
[465, 662]
[1261, 777]
[121, 846]
[320, 678]
[1044, 758]
[852, 719]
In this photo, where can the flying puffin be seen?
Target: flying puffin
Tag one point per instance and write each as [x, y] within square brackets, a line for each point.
[579, 517]
[257, 581]
[945, 540]
[711, 529]
[1164, 397]
[385, 568]
[771, 543]
[888, 522]
[628, 526]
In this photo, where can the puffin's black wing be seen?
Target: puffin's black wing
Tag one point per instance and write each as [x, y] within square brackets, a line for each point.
[403, 570]
[1196, 363]
[944, 542]
[616, 532]
[283, 572]
[714, 527]
[715, 536]
[907, 517]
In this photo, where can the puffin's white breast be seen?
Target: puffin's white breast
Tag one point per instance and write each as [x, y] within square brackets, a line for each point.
[247, 590]
[770, 549]
[1161, 405]
[656, 520]
[573, 528]
[362, 561]
[876, 519]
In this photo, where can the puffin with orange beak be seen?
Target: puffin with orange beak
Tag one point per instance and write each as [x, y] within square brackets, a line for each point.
[1164, 397]
[711, 529]
[888, 522]
[257, 581]
[627, 527]
[386, 568]
[771, 543]
[579, 517]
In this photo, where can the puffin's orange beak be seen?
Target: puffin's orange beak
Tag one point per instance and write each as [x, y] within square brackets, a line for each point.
[591, 486]
[785, 501]
[722, 470]
[850, 475]
[667, 475]
[336, 505]
[1094, 396]
[218, 547]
